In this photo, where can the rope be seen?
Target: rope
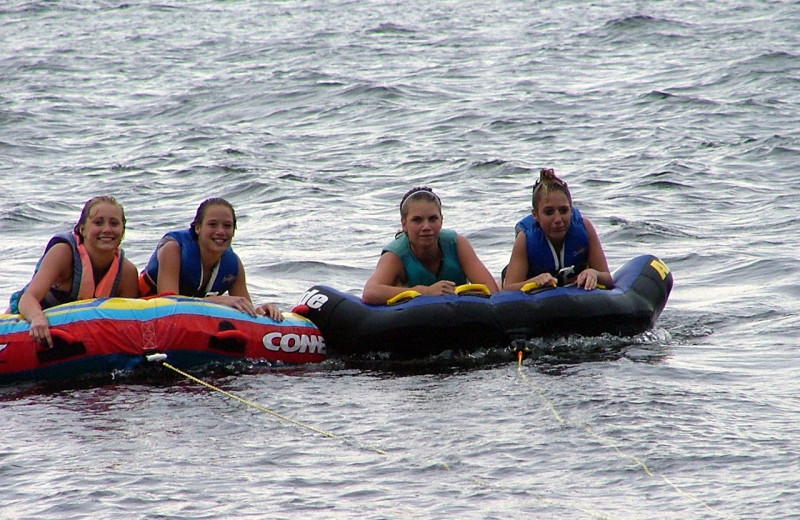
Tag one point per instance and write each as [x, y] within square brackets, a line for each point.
[160, 358]
[610, 443]
[267, 410]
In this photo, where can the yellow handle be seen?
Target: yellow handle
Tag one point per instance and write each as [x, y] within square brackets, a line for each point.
[473, 288]
[530, 286]
[402, 297]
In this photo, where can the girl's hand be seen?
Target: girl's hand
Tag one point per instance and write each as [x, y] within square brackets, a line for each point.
[544, 280]
[271, 310]
[440, 288]
[587, 279]
[239, 303]
[40, 331]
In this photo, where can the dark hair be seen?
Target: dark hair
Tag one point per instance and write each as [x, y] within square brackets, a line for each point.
[547, 184]
[201, 211]
[92, 203]
[419, 192]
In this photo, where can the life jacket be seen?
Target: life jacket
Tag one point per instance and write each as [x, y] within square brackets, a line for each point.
[83, 287]
[417, 273]
[191, 277]
[542, 256]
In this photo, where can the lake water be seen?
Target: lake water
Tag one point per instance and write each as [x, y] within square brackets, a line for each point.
[675, 124]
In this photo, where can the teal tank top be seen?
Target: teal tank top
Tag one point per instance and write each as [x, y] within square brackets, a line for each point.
[418, 274]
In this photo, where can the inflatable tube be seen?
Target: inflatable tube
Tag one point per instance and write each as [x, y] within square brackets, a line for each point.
[428, 325]
[104, 335]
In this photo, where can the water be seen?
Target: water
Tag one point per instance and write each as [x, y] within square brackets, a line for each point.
[674, 123]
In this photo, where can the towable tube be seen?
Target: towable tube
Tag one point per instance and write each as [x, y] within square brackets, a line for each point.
[425, 326]
[103, 335]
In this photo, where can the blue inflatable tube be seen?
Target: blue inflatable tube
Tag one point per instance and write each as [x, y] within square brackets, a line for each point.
[428, 325]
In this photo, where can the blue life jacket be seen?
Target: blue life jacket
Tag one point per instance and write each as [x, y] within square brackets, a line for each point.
[418, 274]
[191, 277]
[542, 257]
[54, 296]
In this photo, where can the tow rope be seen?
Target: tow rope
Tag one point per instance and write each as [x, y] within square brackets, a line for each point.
[161, 359]
[521, 351]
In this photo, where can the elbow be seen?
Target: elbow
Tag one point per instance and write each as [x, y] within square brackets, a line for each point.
[368, 297]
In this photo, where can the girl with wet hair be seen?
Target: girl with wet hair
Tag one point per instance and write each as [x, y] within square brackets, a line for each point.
[423, 256]
[200, 262]
[555, 244]
[86, 263]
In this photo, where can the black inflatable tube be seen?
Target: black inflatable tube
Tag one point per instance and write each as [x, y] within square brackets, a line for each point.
[426, 325]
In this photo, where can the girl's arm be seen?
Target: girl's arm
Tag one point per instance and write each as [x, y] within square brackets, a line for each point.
[597, 273]
[129, 282]
[517, 270]
[56, 267]
[475, 270]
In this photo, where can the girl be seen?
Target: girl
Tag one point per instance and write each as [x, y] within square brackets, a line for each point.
[200, 262]
[555, 239]
[424, 257]
[86, 263]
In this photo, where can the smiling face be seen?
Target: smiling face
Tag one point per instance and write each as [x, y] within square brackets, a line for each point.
[422, 223]
[216, 230]
[554, 213]
[104, 227]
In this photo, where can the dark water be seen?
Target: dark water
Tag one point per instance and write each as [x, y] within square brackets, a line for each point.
[675, 124]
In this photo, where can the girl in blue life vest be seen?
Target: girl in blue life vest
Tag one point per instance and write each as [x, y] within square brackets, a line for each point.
[86, 263]
[424, 257]
[555, 238]
[200, 262]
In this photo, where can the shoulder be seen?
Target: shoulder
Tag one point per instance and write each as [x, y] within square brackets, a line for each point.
[397, 246]
[65, 240]
[169, 246]
[229, 257]
[463, 246]
[60, 258]
[577, 215]
[588, 225]
[179, 235]
[390, 258]
[526, 224]
[449, 235]
[390, 269]
[128, 267]
[59, 249]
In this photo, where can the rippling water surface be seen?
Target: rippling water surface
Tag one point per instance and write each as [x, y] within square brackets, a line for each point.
[675, 124]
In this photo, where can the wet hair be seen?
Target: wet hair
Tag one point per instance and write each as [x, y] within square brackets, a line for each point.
[201, 212]
[547, 184]
[87, 208]
[418, 193]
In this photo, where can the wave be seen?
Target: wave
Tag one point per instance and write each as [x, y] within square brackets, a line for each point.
[645, 29]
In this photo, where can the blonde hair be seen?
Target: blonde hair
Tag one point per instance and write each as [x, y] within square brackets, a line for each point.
[547, 184]
[87, 208]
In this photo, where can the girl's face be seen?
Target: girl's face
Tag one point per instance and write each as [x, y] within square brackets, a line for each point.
[422, 223]
[215, 232]
[554, 213]
[103, 229]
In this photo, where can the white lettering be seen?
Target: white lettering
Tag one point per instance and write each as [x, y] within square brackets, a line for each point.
[313, 299]
[306, 296]
[289, 343]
